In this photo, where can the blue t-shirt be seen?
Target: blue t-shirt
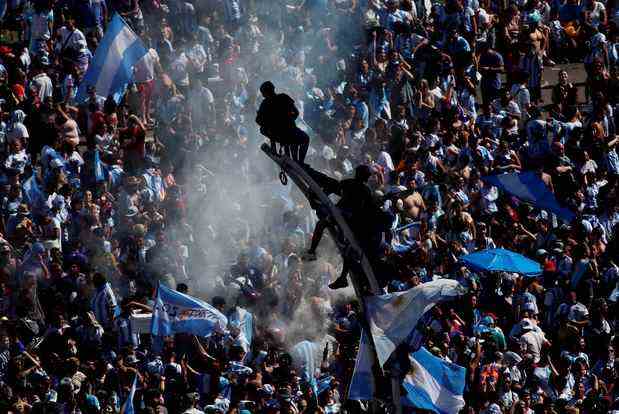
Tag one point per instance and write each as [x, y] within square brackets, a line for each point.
[459, 46]
[493, 59]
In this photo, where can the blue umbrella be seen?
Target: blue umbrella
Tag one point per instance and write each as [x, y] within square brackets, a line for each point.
[501, 260]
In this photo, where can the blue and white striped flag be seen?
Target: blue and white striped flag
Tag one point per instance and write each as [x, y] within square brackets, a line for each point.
[244, 321]
[127, 407]
[394, 316]
[175, 312]
[434, 384]
[362, 385]
[112, 66]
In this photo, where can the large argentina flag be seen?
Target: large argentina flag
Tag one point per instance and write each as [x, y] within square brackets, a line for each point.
[393, 317]
[175, 312]
[434, 384]
[112, 66]
[528, 187]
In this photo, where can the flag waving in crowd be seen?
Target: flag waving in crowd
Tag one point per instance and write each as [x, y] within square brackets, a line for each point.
[434, 384]
[175, 312]
[394, 316]
[112, 66]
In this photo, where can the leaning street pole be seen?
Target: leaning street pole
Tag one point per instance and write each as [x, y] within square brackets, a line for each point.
[344, 239]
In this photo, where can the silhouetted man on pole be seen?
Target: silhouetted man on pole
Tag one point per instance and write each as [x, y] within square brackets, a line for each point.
[276, 116]
[362, 213]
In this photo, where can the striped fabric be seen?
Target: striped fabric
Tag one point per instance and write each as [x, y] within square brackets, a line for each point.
[112, 66]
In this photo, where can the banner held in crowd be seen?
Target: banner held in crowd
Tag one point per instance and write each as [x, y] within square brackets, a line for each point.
[112, 66]
[175, 312]
[434, 384]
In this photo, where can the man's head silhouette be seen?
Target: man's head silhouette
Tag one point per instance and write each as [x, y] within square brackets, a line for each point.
[363, 173]
[267, 89]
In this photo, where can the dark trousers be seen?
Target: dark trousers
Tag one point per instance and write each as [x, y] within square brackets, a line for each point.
[295, 143]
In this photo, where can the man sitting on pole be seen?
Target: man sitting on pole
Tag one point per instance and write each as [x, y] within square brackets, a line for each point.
[276, 116]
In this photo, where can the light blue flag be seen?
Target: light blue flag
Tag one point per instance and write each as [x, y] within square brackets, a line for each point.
[127, 407]
[393, 317]
[434, 384]
[112, 66]
[244, 321]
[99, 168]
[362, 386]
[175, 312]
[528, 187]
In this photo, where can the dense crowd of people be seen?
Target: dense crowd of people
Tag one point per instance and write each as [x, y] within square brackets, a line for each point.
[102, 199]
